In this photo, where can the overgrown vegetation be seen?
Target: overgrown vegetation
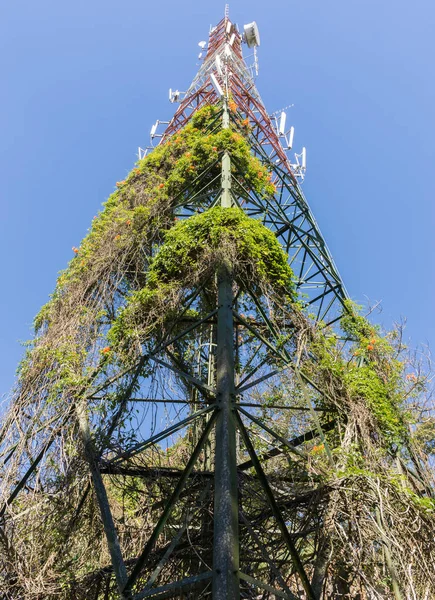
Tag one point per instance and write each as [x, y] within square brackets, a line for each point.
[146, 269]
[191, 253]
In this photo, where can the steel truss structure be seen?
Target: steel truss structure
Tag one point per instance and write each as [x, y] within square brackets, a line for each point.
[226, 524]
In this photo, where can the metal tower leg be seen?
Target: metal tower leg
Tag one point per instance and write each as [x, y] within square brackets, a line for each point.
[226, 583]
[103, 502]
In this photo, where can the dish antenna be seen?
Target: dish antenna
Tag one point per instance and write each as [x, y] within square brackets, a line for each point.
[202, 45]
[251, 35]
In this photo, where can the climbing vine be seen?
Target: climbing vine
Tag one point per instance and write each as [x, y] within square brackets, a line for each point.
[191, 252]
[142, 262]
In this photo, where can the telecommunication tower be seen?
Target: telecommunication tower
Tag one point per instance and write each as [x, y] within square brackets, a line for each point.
[195, 452]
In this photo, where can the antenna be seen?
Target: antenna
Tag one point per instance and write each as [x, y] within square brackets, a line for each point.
[300, 167]
[228, 28]
[281, 128]
[290, 139]
[304, 158]
[255, 61]
[202, 45]
[216, 85]
[219, 65]
[153, 132]
[251, 35]
[232, 38]
[280, 110]
[141, 153]
[174, 96]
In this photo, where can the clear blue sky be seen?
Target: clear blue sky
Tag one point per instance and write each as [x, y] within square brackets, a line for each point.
[83, 81]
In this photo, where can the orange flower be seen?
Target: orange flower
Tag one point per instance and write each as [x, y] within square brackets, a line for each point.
[117, 237]
[162, 185]
[370, 347]
[214, 149]
[119, 183]
[373, 341]
[260, 175]
[75, 250]
[128, 222]
[187, 153]
[232, 106]
[245, 122]
[106, 350]
[137, 171]
[411, 377]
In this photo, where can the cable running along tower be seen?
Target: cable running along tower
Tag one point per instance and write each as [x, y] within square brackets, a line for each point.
[203, 413]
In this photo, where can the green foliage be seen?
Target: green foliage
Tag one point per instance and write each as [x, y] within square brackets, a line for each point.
[126, 285]
[210, 231]
[366, 372]
[191, 247]
[141, 210]
[140, 213]
[62, 365]
[354, 324]
[364, 383]
[378, 378]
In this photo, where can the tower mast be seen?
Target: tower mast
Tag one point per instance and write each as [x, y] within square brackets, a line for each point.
[203, 413]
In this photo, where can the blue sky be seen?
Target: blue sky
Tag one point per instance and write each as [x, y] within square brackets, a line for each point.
[83, 81]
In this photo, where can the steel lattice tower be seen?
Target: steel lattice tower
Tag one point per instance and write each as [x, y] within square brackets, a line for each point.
[225, 522]
[220, 396]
